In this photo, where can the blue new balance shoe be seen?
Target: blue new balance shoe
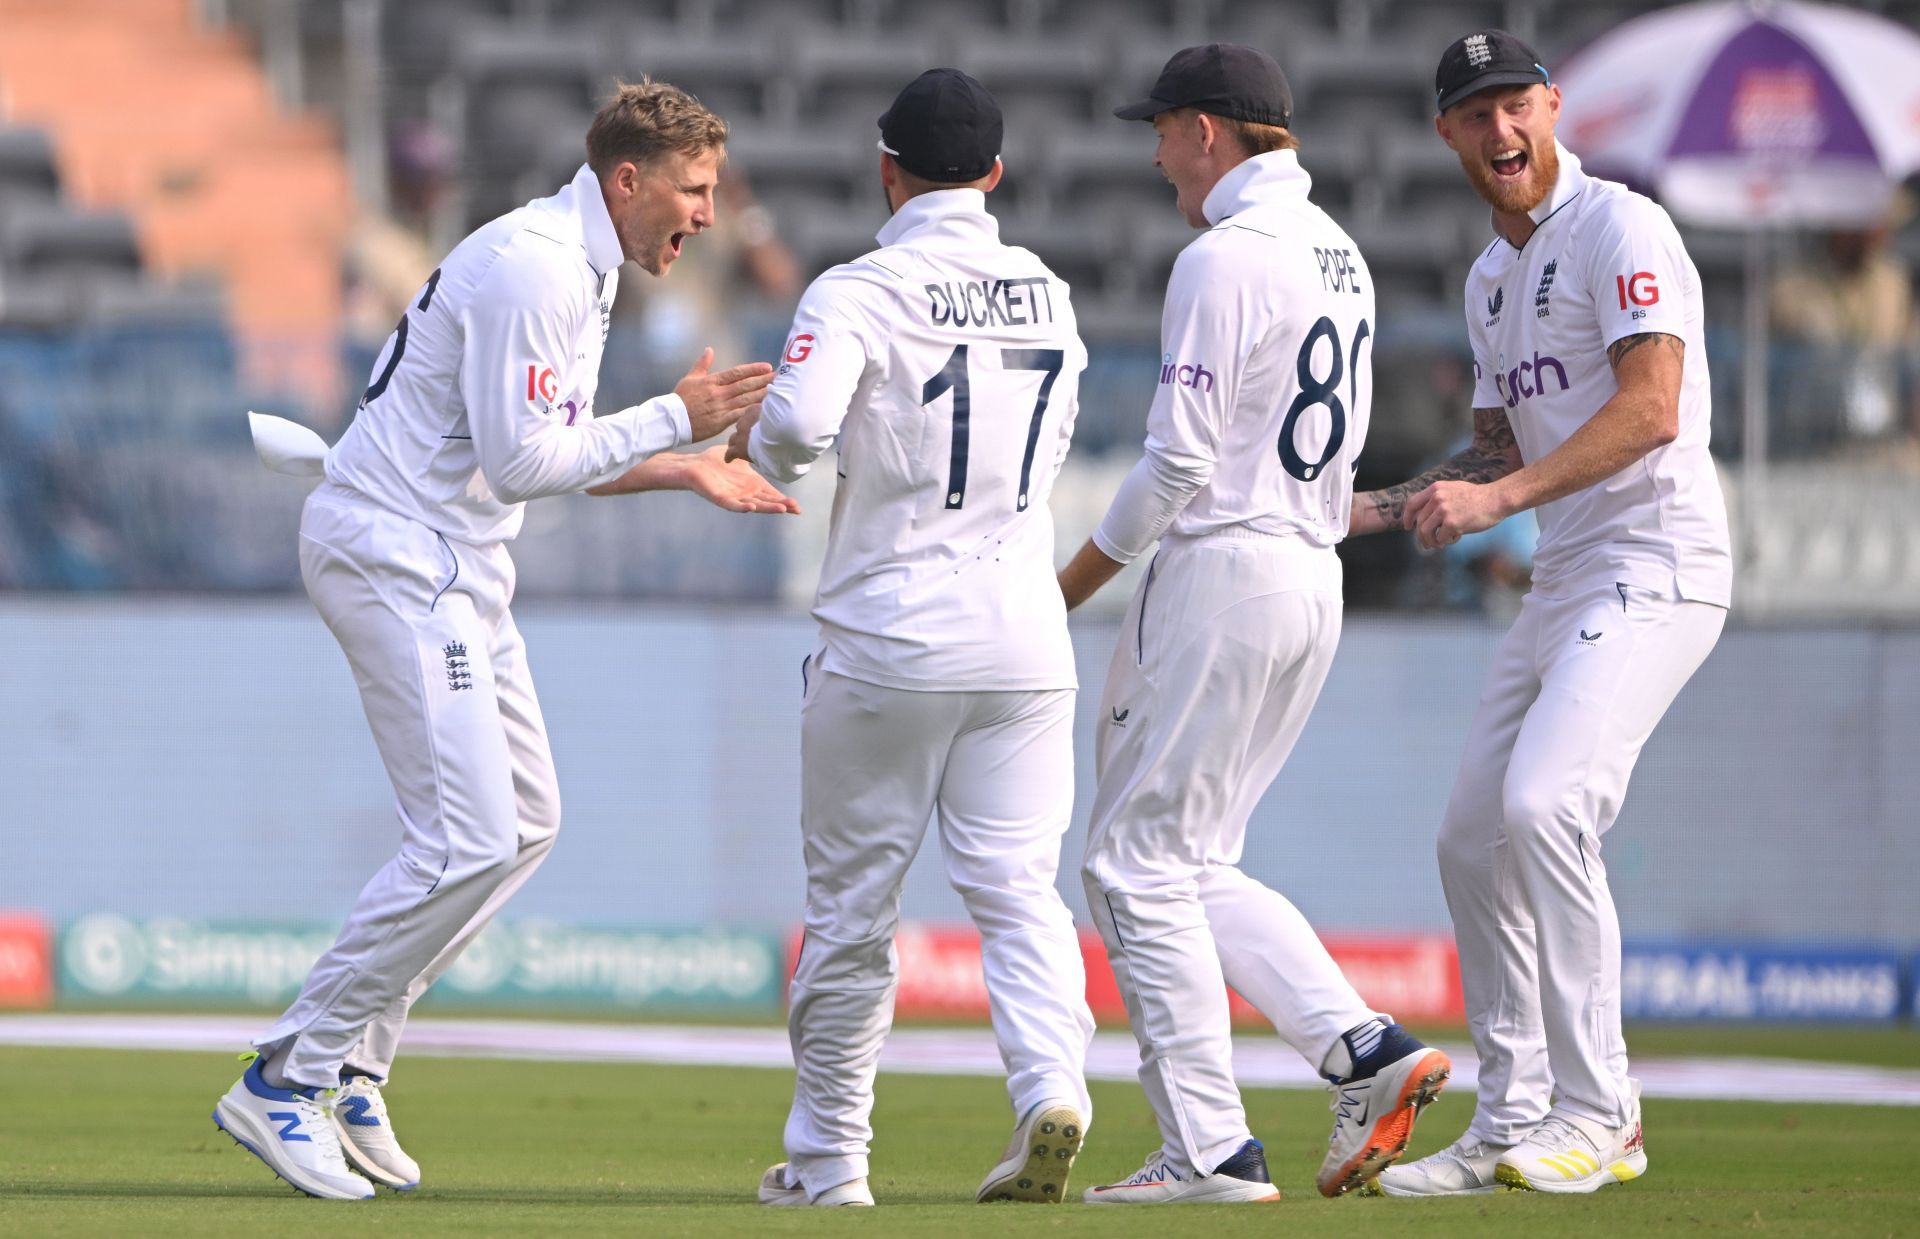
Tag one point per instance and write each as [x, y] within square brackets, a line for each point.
[292, 1131]
[366, 1135]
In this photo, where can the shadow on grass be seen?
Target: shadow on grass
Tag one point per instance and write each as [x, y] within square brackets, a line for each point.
[625, 1197]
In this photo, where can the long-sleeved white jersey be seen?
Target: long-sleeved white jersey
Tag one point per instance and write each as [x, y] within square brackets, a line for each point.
[946, 366]
[483, 397]
[1266, 377]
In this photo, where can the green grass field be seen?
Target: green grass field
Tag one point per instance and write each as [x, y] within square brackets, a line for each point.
[109, 1143]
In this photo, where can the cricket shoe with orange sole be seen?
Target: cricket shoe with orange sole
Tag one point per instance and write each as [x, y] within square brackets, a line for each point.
[1395, 1077]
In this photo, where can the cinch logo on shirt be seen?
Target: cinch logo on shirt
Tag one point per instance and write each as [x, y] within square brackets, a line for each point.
[1638, 288]
[1528, 379]
[1185, 375]
[542, 384]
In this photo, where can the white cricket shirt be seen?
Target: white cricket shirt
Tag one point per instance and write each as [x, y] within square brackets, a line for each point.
[1603, 263]
[483, 397]
[1266, 373]
[946, 366]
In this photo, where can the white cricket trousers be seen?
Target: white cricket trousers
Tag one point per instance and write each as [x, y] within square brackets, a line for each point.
[1221, 657]
[443, 677]
[876, 763]
[1574, 691]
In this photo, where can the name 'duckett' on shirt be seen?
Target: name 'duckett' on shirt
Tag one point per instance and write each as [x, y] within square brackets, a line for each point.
[990, 303]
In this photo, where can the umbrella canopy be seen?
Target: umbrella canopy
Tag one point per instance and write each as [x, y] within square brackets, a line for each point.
[1751, 113]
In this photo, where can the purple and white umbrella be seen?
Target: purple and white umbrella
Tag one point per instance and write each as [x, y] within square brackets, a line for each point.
[1754, 115]
[1744, 114]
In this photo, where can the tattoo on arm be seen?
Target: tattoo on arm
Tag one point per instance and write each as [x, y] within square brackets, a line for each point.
[1492, 455]
[1659, 339]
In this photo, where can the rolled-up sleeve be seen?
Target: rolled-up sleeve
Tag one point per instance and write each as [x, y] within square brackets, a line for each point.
[523, 316]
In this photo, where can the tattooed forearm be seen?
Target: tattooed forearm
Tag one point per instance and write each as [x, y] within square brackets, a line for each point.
[1626, 344]
[1492, 455]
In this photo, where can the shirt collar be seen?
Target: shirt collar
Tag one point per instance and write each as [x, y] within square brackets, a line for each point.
[1572, 180]
[1262, 178]
[596, 226]
[948, 212]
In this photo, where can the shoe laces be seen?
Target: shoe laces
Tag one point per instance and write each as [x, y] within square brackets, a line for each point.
[315, 1108]
[1155, 1171]
[366, 1090]
[1464, 1152]
[1557, 1134]
[1342, 1100]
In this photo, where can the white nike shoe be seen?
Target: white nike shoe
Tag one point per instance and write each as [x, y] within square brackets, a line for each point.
[1373, 1118]
[1241, 1179]
[1574, 1155]
[1463, 1168]
[774, 1191]
[1039, 1157]
[292, 1131]
[366, 1135]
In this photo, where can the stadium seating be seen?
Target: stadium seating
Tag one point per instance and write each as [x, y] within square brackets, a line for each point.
[104, 203]
[801, 84]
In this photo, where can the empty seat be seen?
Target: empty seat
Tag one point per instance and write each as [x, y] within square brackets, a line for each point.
[570, 68]
[1035, 82]
[37, 303]
[1176, 19]
[1417, 262]
[26, 162]
[1358, 100]
[855, 79]
[55, 239]
[1079, 254]
[736, 75]
[822, 241]
[796, 173]
[1277, 27]
[1106, 169]
[1154, 241]
[150, 304]
[959, 17]
[419, 39]
[1419, 172]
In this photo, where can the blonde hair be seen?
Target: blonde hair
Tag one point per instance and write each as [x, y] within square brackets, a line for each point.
[1259, 139]
[647, 119]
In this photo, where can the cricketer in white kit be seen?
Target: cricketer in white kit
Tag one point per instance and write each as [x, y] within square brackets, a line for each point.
[1592, 406]
[482, 400]
[1264, 397]
[944, 367]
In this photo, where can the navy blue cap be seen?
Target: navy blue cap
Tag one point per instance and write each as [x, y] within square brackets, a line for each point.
[1223, 79]
[944, 127]
[1483, 59]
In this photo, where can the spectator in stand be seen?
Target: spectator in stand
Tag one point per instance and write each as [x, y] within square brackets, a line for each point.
[1848, 338]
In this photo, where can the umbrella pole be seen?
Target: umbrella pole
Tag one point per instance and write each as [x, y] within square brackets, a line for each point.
[1753, 436]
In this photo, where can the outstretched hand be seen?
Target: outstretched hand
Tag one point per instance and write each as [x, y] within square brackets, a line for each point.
[734, 485]
[716, 401]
